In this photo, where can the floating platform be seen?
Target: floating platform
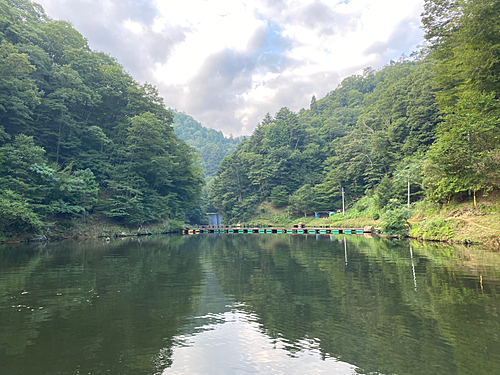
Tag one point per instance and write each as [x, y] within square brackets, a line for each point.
[279, 230]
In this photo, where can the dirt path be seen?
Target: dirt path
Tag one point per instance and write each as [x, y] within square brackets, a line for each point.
[471, 222]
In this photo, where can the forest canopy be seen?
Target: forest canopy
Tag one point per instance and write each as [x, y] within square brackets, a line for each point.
[368, 130]
[428, 122]
[79, 136]
[211, 144]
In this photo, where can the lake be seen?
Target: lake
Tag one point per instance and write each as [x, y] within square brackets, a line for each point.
[249, 304]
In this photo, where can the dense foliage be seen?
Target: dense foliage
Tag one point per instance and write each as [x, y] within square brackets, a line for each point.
[366, 136]
[464, 44]
[211, 144]
[428, 124]
[78, 135]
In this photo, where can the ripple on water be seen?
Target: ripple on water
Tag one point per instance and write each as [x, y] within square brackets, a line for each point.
[238, 345]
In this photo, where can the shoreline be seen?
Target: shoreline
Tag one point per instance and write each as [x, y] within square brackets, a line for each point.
[95, 229]
[450, 231]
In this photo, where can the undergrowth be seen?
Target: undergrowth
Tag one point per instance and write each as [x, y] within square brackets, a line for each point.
[436, 228]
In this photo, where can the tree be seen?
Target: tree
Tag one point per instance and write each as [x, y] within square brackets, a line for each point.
[16, 215]
[384, 191]
[409, 171]
[466, 154]
[35, 190]
[79, 135]
[279, 196]
[302, 200]
[465, 46]
[18, 93]
[395, 220]
[212, 145]
[155, 177]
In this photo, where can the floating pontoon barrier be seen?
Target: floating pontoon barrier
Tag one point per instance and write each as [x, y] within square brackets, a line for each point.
[296, 229]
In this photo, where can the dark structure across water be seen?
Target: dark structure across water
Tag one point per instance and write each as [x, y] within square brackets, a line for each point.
[279, 230]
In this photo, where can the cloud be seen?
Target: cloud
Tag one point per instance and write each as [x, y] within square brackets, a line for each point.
[324, 19]
[222, 77]
[123, 29]
[213, 93]
[218, 92]
[400, 41]
[238, 341]
[228, 63]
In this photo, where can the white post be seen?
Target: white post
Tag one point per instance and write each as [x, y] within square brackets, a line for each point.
[413, 268]
[343, 204]
[345, 250]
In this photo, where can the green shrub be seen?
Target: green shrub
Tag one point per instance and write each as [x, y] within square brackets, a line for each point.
[437, 228]
[16, 215]
[366, 207]
[396, 220]
[426, 207]
[168, 226]
[485, 209]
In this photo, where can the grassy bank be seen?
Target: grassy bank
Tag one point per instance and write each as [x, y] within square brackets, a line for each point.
[454, 222]
[459, 221]
[268, 215]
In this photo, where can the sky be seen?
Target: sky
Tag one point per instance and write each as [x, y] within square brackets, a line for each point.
[227, 62]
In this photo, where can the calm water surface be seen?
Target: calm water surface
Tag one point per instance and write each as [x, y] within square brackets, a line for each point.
[249, 304]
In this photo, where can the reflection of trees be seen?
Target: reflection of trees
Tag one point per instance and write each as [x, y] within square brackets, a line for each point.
[120, 305]
[474, 260]
[367, 312]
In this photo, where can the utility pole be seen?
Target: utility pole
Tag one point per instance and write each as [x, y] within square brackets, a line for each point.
[343, 200]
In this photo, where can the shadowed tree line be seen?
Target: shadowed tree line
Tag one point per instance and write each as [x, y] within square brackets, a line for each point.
[79, 136]
[211, 144]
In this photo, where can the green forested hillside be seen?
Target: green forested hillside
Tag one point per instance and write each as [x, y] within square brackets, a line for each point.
[210, 143]
[80, 138]
[464, 46]
[370, 129]
[430, 121]
[78, 135]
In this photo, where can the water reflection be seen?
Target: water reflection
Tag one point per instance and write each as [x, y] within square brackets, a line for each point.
[249, 304]
[106, 308]
[238, 345]
[372, 303]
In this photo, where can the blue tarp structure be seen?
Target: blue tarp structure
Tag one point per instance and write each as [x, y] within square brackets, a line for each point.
[215, 219]
[321, 214]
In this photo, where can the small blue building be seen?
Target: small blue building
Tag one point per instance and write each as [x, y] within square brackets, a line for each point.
[215, 219]
[323, 214]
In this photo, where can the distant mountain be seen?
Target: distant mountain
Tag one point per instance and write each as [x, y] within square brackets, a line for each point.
[210, 143]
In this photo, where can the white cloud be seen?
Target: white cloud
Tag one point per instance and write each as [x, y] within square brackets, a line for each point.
[237, 345]
[227, 63]
[214, 28]
[133, 26]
